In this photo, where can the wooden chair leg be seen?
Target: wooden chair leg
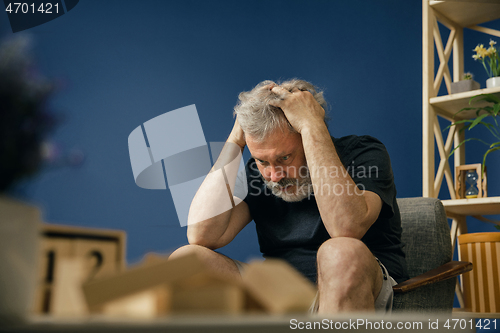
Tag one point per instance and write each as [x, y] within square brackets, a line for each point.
[460, 295]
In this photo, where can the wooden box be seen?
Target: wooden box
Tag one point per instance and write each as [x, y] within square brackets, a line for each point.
[98, 251]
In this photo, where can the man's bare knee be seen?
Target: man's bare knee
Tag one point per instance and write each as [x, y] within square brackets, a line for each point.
[342, 252]
[188, 249]
[213, 260]
[347, 262]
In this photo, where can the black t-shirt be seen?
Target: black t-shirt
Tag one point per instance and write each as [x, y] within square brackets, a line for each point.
[294, 231]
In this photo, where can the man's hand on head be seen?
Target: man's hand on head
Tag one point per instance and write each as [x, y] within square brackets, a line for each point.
[299, 107]
[237, 135]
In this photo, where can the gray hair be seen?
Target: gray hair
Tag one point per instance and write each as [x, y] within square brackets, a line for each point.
[258, 119]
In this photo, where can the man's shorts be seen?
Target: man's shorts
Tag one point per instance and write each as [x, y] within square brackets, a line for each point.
[383, 303]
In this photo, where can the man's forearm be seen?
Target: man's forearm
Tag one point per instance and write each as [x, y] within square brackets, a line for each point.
[210, 210]
[341, 203]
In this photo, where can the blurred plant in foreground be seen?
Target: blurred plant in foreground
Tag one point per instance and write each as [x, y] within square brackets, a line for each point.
[25, 118]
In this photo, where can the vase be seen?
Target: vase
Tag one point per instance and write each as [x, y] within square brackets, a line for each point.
[464, 85]
[19, 239]
[493, 82]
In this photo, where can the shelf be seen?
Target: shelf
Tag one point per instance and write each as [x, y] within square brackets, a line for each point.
[448, 105]
[466, 13]
[478, 206]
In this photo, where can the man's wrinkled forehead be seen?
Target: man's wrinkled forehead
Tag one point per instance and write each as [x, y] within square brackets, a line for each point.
[277, 144]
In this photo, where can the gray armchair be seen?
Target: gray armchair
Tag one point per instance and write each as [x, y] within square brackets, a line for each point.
[426, 233]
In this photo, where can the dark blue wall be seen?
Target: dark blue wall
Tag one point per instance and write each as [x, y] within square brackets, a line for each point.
[125, 62]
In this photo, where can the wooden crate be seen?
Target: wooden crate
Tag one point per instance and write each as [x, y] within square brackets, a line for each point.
[99, 252]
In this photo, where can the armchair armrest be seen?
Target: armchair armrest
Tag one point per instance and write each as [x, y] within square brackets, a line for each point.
[446, 271]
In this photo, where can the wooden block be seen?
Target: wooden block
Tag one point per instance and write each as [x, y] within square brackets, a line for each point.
[204, 278]
[100, 291]
[102, 252]
[152, 257]
[252, 305]
[67, 295]
[278, 286]
[100, 257]
[220, 298]
[208, 292]
[116, 237]
[52, 251]
[19, 247]
[146, 304]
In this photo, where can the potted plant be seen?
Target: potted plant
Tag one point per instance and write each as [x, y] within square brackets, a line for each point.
[24, 124]
[491, 62]
[482, 114]
[485, 115]
[466, 84]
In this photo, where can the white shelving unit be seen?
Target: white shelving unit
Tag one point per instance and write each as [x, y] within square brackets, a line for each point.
[455, 15]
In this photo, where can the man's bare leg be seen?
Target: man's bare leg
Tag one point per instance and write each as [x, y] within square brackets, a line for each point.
[216, 261]
[349, 277]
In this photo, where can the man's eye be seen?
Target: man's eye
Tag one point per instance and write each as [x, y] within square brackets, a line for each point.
[284, 158]
[260, 161]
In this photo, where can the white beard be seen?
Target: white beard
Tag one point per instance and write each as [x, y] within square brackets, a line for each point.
[301, 188]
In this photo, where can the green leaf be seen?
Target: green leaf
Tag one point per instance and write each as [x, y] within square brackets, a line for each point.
[495, 133]
[463, 121]
[481, 113]
[490, 98]
[496, 109]
[488, 109]
[466, 140]
[493, 130]
[478, 120]
[487, 125]
[486, 154]
[464, 109]
[494, 144]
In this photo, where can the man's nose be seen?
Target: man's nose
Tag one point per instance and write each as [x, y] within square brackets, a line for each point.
[276, 173]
